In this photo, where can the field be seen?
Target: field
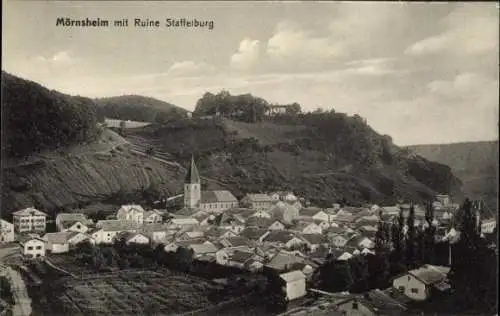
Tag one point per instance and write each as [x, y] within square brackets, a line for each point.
[128, 293]
[267, 133]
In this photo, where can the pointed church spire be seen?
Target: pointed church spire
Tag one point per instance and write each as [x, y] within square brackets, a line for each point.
[192, 175]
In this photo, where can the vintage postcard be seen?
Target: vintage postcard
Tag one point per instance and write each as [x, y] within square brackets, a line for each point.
[249, 158]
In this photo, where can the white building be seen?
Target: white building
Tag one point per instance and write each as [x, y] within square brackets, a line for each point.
[106, 230]
[257, 201]
[32, 247]
[72, 222]
[418, 283]
[133, 238]
[131, 213]
[6, 231]
[488, 226]
[29, 220]
[295, 284]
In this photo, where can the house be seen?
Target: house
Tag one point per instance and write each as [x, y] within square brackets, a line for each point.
[259, 222]
[360, 242]
[344, 256]
[343, 212]
[57, 242]
[276, 225]
[239, 258]
[283, 196]
[236, 241]
[337, 240]
[283, 239]
[172, 247]
[72, 222]
[279, 110]
[308, 228]
[29, 220]
[157, 233]
[314, 241]
[295, 284]
[315, 213]
[255, 234]
[32, 247]
[153, 216]
[106, 230]
[182, 223]
[204, 219]
[257, 201]
[75, 238]
[205, 248]
[6, 231]
[418, 284]
[325, 225]
[282, 261]
[222, 257]
[230, 222]
[284, 212]
[217, 232]
[189, 235]
[131, 212]
[262, 214]
[374, 302]
[488, 225]
[133, 238]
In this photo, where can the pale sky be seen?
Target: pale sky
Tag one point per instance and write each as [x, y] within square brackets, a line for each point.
[420, 72]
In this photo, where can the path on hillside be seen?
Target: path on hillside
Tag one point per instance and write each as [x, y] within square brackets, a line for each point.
[22, 306]
[176, 164]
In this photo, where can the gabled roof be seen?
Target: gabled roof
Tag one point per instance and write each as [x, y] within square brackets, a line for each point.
[152, 212]
[430, 274]
[203, 248]
[355, 241]
[258, 197]
[253, 233]
[335, 230]
[259, 222]
[68, 224]
[279, 236]
[216, 232]
[309, 211]
[241, 256]
[131, 207]
[217, 196]
[30, 211]
[129, 235]
[72, 217]
[293, 276]
[314, 239]
[57, 238]
[192, 175]
[184, 221]
[237, 241]
[283, 260]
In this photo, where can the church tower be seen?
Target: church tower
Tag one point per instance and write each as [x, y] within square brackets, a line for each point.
[192, 187]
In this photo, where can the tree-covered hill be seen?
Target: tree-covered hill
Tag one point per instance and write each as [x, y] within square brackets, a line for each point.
[139, 108]
[35, 118]
[327, 157]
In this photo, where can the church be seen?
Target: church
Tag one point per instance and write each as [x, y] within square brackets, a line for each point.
[194, 197]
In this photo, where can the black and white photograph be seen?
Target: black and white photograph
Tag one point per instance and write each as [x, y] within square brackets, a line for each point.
[249, 158]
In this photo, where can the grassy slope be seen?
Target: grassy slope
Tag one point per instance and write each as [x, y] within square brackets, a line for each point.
[223, 153]
[475, 163]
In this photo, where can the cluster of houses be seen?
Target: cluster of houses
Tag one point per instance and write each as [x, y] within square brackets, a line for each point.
[277, 231]
[413, 286]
